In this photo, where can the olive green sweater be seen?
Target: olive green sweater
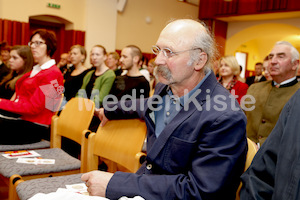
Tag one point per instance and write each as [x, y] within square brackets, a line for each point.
[101, 88]
[269, 103]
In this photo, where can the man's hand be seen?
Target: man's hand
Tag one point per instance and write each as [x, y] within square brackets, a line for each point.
[100, 113]
[97, 182]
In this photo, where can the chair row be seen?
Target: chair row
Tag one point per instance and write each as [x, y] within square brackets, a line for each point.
[119, 141]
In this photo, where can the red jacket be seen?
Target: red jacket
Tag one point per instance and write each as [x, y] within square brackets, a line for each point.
[240, 89]
[37, 97]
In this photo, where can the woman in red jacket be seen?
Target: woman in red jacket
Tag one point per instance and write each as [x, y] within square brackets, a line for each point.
[229, 77]
[37, 96]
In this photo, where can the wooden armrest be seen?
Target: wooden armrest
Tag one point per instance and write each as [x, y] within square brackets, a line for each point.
[141, 157]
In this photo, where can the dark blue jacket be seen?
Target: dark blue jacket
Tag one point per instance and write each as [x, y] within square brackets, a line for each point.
[275, 170]
[199, 155]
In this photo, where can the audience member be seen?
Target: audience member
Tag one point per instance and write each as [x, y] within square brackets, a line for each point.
[112, 62]
[271, 96]
[259, 77]
[266, 72]
[4, 68]
[230, 77]
[274, 172]
[152, 68]
[98, 82]
[192, 152]
[38, 94]
[20, 62]
[74, 78]
[133, 83]
[143, 68]
[63, 63]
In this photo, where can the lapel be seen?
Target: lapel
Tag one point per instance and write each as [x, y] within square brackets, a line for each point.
[210, 83]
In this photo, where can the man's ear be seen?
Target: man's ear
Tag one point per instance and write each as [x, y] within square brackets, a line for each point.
[295, 64]
[202, 60]
[136, 59]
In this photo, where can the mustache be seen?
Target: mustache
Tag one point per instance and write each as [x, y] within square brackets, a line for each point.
[164, 72]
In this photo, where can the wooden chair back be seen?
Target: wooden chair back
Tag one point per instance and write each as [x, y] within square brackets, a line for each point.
[119, 141]
[72, 121]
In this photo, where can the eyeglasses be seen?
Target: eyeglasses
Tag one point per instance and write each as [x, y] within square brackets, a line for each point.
[35, 43]
[168, 52]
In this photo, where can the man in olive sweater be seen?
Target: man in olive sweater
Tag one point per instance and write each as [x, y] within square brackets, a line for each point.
[271, 96]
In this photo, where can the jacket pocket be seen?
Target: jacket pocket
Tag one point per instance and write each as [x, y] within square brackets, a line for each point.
[178, 154]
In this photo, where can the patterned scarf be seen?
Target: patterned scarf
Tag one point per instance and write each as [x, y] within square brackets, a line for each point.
[231, 84]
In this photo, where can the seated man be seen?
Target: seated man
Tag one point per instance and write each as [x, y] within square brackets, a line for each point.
[259, 77]
[271, 96]
[196, 140]
[274, 172]
[133, 83]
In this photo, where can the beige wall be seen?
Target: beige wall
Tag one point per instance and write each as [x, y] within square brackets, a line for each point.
[132, 27]
[258, 37]
[101, 21]
[21, 10]
[100, 24]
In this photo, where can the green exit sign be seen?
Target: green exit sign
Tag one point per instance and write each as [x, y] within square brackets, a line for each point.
[53, 5]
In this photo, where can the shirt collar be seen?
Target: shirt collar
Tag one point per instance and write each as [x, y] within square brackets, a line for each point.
[47, 64]
[181, 99]
[37, 68]
[286, 81]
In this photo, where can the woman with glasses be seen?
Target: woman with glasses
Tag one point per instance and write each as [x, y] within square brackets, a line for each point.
[229, 71]
[38, 94]
[20, 62]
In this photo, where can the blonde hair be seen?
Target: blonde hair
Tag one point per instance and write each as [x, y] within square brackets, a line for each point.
[81, 49]
[232, 63]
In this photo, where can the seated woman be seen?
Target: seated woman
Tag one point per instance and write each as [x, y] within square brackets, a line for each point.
[96, 85]
[229, 77]
[37, 95]
[73, 78]
[20, 62]
[98, 81]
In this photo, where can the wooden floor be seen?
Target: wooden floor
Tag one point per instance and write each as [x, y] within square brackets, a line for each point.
[3, 190]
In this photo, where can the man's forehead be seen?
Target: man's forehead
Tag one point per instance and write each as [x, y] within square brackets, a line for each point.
[280, 49]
